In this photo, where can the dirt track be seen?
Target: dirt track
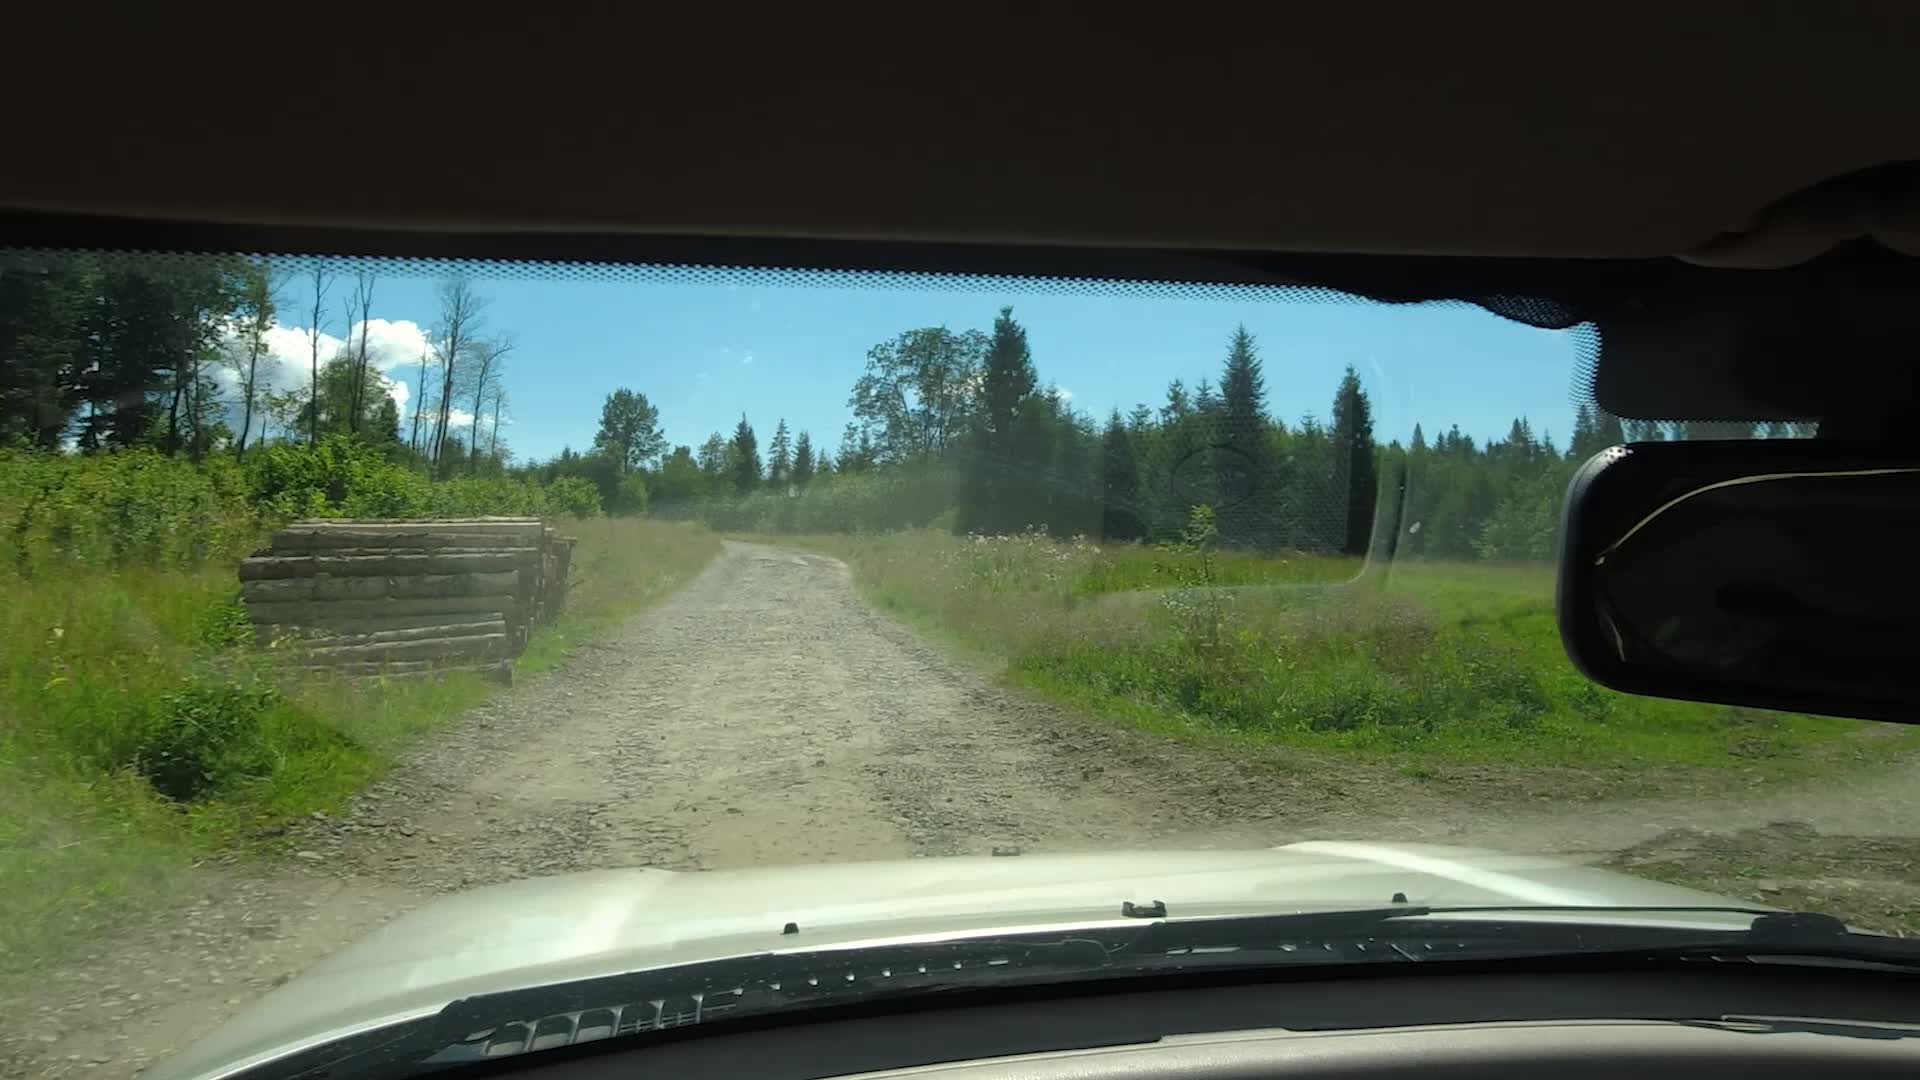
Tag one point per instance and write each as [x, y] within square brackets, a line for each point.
[765, 714]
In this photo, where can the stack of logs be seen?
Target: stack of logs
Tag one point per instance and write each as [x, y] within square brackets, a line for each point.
[407, 597]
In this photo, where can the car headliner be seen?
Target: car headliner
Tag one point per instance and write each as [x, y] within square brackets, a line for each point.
[1504, 130]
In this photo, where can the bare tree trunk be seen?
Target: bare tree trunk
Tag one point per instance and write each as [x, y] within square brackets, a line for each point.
[256, 339]
[346, 354]
[420, 399]
[473, 436]
[493, 438]
[173, 414]
[195, 437]
[460, 313]
[362, 298]
[246, 412]
[260, 302]
[313, 361]
[488, 358]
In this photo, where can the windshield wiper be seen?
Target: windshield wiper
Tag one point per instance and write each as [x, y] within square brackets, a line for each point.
[489, 1026]
[533, 1019]
[1423, 933]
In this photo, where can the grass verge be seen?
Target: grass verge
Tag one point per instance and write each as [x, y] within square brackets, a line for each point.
[1432, 668]
[120, 684]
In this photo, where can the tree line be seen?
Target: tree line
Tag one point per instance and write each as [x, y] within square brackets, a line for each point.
[115, 352]
[958, 429]
[953, 428]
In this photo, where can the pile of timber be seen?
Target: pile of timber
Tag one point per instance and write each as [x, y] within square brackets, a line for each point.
[407, 597]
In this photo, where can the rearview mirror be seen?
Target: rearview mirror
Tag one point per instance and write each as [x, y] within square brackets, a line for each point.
[1777, 574]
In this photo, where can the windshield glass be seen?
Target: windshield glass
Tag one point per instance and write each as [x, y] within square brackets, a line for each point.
[337, 590]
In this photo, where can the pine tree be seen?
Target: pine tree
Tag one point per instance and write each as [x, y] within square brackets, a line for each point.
[745, 454]
[1243, 388]
[1586, 434]
[779, 455]
[1606, 430]
[1178, 405]
[1249, 512]
[849, 456]
[1009, 379]
[1354, 473]
[803, 464]
[1419, 443]
[1007, 462]
[1204, 401]
[1120, 512]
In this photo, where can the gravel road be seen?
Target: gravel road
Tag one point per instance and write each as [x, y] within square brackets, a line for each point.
[764, 714]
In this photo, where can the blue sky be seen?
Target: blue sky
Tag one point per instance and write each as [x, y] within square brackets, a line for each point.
[703, 353]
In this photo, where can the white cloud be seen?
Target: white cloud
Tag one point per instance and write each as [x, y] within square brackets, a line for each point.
[1062, 393]
[393, 347]
[393, 344]
[746, 357]
[289, 356]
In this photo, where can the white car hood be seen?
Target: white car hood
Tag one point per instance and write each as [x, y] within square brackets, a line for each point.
[555, 929]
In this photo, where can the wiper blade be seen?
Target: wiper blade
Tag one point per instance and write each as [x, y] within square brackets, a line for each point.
[1405, 932]
[489, 1026]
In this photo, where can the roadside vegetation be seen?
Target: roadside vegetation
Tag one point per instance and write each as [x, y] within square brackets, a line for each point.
[142, 727]
[1194, 566]
[1419, 665]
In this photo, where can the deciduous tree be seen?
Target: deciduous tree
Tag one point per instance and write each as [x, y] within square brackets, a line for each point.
[629, 429]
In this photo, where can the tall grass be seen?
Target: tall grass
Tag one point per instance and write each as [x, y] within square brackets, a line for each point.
[139, 725]
[1454, 662]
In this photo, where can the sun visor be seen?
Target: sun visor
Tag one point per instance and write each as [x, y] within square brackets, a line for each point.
[1844, 353]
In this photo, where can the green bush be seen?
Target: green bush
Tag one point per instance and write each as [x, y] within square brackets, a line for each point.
[574, 496]
[132, 506]
[202, 737]
[631, 497]
[144, 508]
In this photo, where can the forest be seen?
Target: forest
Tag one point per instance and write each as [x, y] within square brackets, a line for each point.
[950, 428]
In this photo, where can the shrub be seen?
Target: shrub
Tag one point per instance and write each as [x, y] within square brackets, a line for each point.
[575, 496]
[127, 506]
[209, 735]
[631, 497]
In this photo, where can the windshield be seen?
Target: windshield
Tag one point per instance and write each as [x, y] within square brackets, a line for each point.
[337, 590]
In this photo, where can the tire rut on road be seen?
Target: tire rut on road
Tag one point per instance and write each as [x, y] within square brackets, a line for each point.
[763, 715]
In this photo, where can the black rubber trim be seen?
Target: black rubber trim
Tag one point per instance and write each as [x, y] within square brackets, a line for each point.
[1416, 276]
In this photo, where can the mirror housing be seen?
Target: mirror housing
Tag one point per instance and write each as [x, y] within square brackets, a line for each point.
[1778, 574]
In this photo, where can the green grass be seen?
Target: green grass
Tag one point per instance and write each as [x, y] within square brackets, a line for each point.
[1422, 664]
[117, 682]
